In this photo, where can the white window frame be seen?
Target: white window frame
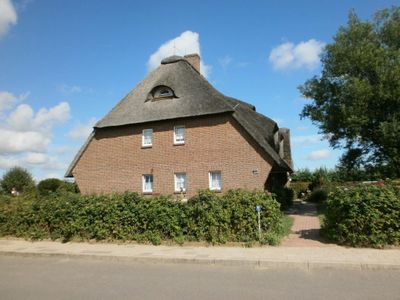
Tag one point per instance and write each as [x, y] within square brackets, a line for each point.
[176, 142]
[212, 188]
[144, 189]
[178, 190]
[144, 132]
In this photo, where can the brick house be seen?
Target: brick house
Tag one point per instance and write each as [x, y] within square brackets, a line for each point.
[175, 133]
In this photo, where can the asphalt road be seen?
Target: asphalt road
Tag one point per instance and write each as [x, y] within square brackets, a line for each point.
[64, 278]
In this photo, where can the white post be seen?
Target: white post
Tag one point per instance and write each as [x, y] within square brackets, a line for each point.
[259, 227]
[258, 208]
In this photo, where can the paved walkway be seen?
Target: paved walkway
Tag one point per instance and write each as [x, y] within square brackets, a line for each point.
[306, 226]
[265, 257]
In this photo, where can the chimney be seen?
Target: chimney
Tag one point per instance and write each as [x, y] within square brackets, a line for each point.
[194, 60]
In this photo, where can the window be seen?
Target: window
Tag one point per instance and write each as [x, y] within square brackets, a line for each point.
[180, 182]
[165, 92]
[147, 183]
[215, 180]
[160, 92]
[179, 134]
[147, 138]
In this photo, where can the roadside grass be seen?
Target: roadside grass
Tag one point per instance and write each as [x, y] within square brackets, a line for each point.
[287, 223]
[321, 208]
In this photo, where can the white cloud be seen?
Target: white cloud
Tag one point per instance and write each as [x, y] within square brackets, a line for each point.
[8, 163]
[306, 139]
[13, 141]
[26, 135]
[36, 158]
[74, 89]
[25, 130]
[290, 56]
[225, 61]
[82, 131]
[23, 117]
[8, 16]
[186, 43]
[319, 154]
[52, 175]
[61, 150]
[9, 100]
[49, 117]
[70, 89]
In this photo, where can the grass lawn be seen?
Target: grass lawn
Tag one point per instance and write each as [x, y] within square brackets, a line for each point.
[321, 208]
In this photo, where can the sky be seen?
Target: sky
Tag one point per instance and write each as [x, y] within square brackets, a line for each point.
[65, 64]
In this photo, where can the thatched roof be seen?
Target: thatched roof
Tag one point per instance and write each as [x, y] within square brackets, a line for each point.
[193, 96]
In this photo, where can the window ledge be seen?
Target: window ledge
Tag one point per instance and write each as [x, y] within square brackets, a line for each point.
[146, 147]
[179, 144]
[148, 193]
[178, 193]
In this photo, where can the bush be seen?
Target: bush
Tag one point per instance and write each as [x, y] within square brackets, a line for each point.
[17, 178]
[302, 175]
[318, 196]
[48, 186]
[365, 216]
[300, 188]
[206, 217]
[284, 196]
[71, 187]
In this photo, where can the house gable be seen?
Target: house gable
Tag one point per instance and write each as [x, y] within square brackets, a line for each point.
[114, 159]
[193, 96]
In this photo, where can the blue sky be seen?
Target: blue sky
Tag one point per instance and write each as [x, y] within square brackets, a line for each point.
[65, 64]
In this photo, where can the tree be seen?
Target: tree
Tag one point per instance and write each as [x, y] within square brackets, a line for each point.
[49, 185]
[17, 178]
[356, 99]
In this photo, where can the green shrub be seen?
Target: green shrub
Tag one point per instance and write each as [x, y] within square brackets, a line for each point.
[206, 217]
[71, 187]
[48, 186]
[18, 178]
[300, 188]
[318, 196]
[363, 216]
[284, 196]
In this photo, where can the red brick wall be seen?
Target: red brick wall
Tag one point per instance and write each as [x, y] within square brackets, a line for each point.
[115, 161]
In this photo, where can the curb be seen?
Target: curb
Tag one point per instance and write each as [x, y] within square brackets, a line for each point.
[259, 264]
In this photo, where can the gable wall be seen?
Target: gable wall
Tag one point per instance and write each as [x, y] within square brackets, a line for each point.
[115, 161]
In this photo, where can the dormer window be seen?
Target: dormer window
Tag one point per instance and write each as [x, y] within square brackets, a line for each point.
[161, 92]
[164, 92]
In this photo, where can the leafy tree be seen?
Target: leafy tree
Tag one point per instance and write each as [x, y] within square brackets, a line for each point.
[356, 99]
[302, 175]
[49, 185]
[18, 178]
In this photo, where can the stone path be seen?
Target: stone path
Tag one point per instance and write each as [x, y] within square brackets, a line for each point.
[306, 226]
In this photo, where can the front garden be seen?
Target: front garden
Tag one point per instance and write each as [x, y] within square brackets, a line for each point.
[208, 217]
[353, 213]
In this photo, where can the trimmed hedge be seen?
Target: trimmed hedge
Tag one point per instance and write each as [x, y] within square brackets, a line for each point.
[366, 216]
[206, 217]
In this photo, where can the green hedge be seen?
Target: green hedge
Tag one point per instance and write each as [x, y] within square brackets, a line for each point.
[206, 217]
[318, 196]
[284, 196]
[367, 216]
[300, 188]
